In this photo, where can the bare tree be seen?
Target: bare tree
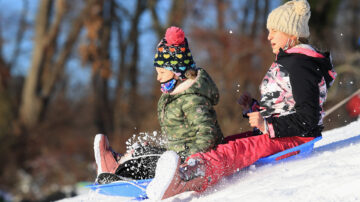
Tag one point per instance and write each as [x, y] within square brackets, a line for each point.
[255, 20]
[133, 66]
[265, 14]
[121, 75]
[48, 60]
[20, 33]
[244, 22]
[175, 17]
[323, 15]
[126, 110]
[96, 51]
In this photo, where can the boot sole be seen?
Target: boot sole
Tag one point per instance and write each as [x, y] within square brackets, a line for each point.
[97, 153]
[164, 174]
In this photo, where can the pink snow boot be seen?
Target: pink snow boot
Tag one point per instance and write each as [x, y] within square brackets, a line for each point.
[106, 159]
[172, 179]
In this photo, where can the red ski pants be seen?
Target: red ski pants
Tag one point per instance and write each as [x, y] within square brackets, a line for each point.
[241, 151]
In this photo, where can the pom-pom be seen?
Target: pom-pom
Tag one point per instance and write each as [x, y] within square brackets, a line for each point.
[174, 36]
[301, 7]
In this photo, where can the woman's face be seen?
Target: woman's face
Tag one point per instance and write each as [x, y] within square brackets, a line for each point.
[164, 74]
[279, 39]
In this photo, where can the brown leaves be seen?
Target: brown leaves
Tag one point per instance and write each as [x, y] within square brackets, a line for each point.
[95, 50]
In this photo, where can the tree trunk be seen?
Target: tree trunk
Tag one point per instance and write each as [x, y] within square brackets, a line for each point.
[255, 20]
[103, 109]
[355, 32]
[265, 15]
[221, 7]
[177, 13]
[31, 106]
[46, 69]
[119, 99]
[133, 66]
[245, 17]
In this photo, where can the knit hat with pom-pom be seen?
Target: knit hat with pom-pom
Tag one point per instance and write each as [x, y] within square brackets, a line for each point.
[173, 53]
[291, 18]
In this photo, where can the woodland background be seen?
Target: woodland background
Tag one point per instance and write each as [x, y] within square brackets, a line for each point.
[72, 69]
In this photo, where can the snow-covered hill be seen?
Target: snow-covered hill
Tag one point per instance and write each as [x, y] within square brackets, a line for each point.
[331, 173]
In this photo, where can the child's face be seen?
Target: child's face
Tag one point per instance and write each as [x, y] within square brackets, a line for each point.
[279, 39]
[164, 74]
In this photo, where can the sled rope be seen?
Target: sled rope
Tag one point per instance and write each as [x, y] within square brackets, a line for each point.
[332, 109]
[134, 184]
[148, 155]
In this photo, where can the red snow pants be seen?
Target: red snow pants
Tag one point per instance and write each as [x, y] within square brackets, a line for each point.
[240, 151]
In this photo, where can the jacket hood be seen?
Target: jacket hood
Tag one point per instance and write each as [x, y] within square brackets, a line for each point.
[202, 85]
[323, 60]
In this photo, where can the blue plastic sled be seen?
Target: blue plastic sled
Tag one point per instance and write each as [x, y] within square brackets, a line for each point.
[137, 188]
[303, 150]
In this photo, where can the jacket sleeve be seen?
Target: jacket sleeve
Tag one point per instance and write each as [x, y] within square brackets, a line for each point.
[304, 81]
[201, 116]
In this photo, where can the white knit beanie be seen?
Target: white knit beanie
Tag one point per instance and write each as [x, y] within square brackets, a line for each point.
[291, 18]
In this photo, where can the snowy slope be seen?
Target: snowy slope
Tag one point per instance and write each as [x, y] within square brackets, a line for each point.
[331, 173]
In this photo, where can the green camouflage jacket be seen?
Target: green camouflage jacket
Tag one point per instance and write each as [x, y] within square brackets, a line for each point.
[187, 117]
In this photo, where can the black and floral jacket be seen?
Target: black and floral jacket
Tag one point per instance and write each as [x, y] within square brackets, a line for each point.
[293, 92]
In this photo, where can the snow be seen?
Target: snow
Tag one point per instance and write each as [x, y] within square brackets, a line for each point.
[330, 173]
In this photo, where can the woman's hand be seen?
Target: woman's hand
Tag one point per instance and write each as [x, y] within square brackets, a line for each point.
[256, 120]
[245, 100]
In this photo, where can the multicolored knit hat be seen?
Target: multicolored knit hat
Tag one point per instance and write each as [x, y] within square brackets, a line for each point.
[173, 53]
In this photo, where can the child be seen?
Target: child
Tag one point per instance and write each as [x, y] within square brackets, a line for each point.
[289, 112]
[185, 112]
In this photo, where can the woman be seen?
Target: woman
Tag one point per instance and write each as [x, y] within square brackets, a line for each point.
[185, 112]
[288, 114]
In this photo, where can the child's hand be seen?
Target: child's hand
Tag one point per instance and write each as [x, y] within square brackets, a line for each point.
[256, 120]
[245, 100]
